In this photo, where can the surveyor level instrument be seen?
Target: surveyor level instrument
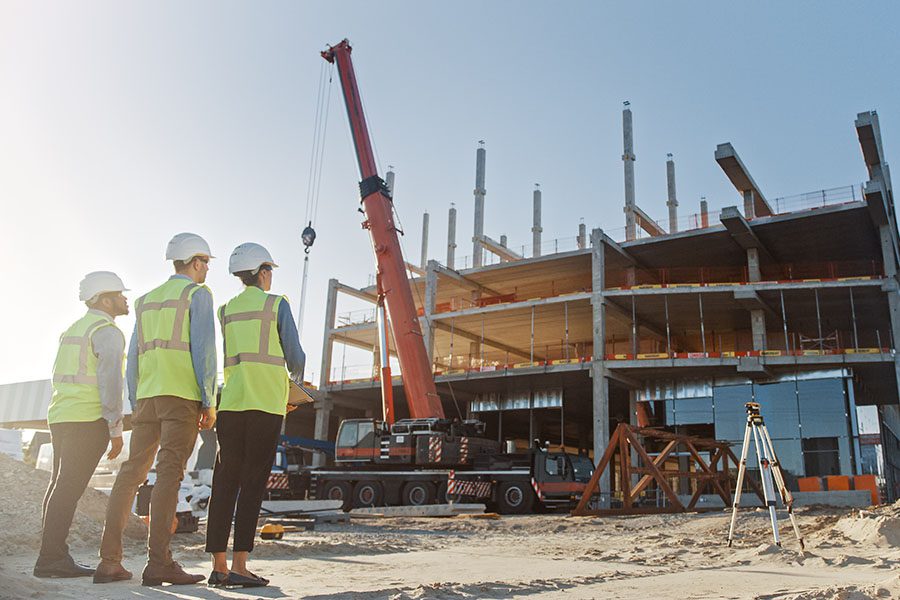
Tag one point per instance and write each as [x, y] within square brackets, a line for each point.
[769, 471]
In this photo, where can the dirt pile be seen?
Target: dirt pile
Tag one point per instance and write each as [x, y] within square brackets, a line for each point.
[22, 491]
[878, 527]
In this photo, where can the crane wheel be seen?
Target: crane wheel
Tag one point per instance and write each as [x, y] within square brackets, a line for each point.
[337, 490]
[417, 493]
[368, 493]
[514, 498]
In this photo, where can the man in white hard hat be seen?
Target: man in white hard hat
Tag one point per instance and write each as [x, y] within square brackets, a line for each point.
[171, 377]
[260, 341]
[85, 414]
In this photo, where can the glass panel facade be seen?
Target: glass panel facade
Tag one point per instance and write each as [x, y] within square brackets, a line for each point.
[692, 411]
[730, 414]
[778, 405]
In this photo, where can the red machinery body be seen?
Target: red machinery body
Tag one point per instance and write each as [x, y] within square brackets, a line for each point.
[418, 380]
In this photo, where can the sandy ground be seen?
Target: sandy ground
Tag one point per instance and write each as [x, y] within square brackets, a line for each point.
[540, 556]
[851, 555]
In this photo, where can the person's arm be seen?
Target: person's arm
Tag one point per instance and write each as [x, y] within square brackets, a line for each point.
[203, 345]
[294, 356]
[131, 368]
[108, 345]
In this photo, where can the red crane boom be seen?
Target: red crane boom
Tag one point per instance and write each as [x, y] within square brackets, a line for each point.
[394, 288]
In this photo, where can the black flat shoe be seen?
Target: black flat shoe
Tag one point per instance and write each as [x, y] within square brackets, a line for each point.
[217, 579]
[237, 580]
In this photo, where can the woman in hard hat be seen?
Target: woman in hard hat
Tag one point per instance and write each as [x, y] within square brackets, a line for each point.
[85, 414]
[260, 341]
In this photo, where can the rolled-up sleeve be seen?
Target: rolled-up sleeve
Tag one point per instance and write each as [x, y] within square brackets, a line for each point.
[294, 356]
[203, 344]
[131, 368]
[108, 345]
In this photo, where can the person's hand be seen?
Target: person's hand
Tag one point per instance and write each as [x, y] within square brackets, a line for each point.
[115, 447]
[207, 418]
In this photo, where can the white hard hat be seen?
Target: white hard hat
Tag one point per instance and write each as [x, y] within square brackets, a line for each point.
[99, 282]
[186, 246]
[249, 257]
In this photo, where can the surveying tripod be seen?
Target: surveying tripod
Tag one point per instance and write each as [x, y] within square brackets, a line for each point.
[769, 468]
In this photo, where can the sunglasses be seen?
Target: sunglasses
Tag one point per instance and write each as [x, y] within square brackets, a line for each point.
[265, 267]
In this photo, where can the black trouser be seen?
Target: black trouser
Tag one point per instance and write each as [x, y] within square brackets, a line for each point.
[247, 444]
[77, 448]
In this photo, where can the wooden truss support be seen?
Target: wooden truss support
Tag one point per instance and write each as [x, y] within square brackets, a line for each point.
[713, 476]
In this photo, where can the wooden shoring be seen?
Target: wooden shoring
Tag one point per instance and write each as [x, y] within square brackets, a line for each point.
[713, 475]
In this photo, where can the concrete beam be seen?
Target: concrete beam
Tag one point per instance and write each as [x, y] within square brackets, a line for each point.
[630, 382]
[352, 291]
[875, 196]
[647, 224]
[750, 300]
[868, 132]
[615, 247]
[742, 233]
[499, 249]
[463, 281]
[415, 269]
[642, 325]
[486, 341]
[491, 308]
[349, 341]
[740, 177]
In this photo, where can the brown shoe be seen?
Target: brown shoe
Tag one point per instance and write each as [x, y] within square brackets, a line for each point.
[171, 573]
[107, 572]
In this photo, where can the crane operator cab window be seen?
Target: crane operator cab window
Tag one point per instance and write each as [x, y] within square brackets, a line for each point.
[356, 434]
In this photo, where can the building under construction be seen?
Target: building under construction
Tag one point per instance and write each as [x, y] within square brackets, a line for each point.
[791, 302]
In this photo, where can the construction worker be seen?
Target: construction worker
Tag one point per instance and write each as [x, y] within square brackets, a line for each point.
[171, 376]
[260, 338]
[85, 414]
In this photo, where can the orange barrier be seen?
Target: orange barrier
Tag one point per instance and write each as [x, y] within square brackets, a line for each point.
[809, 484]
[867, 482]
[837, 482]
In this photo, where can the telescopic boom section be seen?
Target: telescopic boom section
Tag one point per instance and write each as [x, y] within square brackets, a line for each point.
[418, 381]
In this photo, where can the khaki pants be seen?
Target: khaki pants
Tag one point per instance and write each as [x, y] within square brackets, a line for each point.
[167, 424]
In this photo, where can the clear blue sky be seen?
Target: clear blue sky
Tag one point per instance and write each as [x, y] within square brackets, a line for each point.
[124, 123]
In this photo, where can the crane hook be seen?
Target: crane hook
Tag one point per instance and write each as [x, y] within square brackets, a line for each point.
[308, 237]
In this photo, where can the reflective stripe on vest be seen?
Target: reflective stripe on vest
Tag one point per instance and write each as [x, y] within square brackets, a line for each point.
[255, 374]
[162, 317]
[76, 397]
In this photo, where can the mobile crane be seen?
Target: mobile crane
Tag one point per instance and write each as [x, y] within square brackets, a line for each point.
[427, 457]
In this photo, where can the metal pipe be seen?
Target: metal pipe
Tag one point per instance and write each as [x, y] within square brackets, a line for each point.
[702, 327]
[784, 321]
[819, 321]
[634, 340]
[566, 309]
[668, 337]
[853, 316]
[303, 295]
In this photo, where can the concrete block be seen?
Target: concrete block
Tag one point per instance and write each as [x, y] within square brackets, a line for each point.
[428, 510]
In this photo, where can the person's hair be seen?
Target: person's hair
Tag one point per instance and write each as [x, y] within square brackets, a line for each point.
[248, 278]
[91, 303]
[183, 265]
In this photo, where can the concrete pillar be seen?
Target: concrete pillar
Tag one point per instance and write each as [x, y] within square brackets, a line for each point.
[892, 289]
[704, 213]
[389, 180]
[477, 251]
[600, 383]
[753, 272]
[628, 159]
[672, 202]
[323, 415]
[758, 328]
[749, 211]
[582, 236]
[451, 238]
[424, 260]
[503, 240]
[431, 282]
[536, 228]
[327, 344]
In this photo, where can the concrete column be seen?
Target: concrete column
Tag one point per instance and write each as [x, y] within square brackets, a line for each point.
[536, 228]
[451, 238]
[431, 282]
[749, 211]
[477, 251]
[758, 328]
[892, 289]
[704, 213]
[582, 236]
[323, 415]
[424, 260]
[503, 240]
[672, 202]
[327, 344]
[753, 272]
[600, 383]
[628, 159]
[389, 180]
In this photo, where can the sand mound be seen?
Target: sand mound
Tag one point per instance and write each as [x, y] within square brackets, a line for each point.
[879, 527]
[22, 491]
[886, 589]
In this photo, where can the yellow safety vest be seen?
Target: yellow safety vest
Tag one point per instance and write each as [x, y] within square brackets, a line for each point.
[255, 373]
[164, 346]
[76, 396]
